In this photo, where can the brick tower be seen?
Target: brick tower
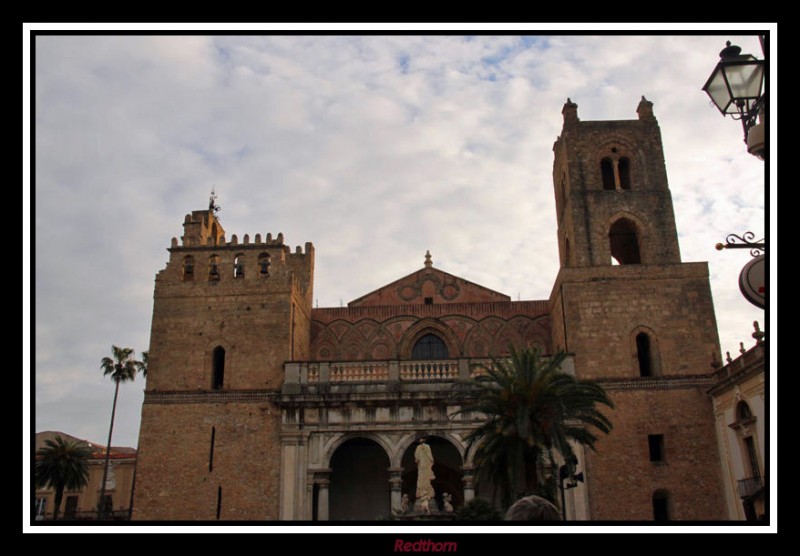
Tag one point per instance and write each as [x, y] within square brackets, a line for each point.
[226, 316]
[637, 320]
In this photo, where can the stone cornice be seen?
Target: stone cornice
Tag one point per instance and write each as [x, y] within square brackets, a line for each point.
[208, 396]
[657, 383]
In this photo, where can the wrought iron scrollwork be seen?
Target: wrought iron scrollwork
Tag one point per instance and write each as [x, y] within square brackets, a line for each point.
[745, 241]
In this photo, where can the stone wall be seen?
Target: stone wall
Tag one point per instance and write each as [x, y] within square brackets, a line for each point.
[177, 477]
[620, 476]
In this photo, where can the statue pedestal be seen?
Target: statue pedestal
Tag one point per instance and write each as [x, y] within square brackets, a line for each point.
[432, 505]
[417, 513]
[433, 516]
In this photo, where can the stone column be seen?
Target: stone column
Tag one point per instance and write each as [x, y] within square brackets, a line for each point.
[322, 477]
[469, 483]
[289, 465]
[396, 485]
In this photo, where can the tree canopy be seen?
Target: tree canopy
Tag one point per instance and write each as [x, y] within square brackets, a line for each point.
[535, 413]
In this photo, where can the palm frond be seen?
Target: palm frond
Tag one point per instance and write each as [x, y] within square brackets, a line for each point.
[534, 413]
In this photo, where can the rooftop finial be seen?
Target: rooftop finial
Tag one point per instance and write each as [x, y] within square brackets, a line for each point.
[212, 202]
[428, 261]
[758, 334]
[645, 109]
[570, 111]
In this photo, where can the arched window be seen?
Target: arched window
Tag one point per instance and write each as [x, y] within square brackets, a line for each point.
[263, 265]
[429, 346]
[644, 354]
[624, 242]
[213, 268]
[607, 170]
[644, 344]
[238, 266]
[660, 505]
[218, 368]
[624, 169]
[743, 412]
[188, 269]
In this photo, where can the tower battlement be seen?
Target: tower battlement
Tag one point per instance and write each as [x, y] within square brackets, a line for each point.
[205, 256]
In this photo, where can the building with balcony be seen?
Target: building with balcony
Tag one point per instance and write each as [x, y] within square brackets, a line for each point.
[82, 505]
[260, 407]
[740, 409]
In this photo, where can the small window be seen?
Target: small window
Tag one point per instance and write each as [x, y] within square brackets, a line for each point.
[211, 451]
[429, 346]
[607, 171]
[660, 506]
[218, 368]
[188, 269]
[624, 169]
[644, 354]
[428, 301]
[213, 268]
[238, 266]
[656, 445]
[752, 457]
[263, 265]
[566, 252]
[743, 412]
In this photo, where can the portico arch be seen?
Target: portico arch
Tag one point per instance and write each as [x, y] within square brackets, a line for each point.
[447, 470]
[359, 480]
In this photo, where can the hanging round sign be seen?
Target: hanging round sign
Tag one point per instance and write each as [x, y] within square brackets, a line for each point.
[752, 281]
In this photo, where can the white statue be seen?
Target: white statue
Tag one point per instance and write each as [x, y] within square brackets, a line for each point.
[423, 457]
[448, 502]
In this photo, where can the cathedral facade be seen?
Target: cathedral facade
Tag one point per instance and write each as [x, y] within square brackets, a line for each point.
[260, 407]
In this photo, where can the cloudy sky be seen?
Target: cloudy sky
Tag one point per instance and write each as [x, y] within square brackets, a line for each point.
[374, 148]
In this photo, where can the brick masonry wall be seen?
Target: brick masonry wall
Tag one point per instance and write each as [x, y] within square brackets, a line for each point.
[597, 313]
[173, 478]
[606, 306]
[620, 477]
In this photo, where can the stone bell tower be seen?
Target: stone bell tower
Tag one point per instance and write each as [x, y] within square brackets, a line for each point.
[637, 320]
[227, 315]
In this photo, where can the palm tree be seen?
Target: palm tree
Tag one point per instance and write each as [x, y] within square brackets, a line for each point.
[62, 465]
[122, 368]
[141, 366]
[533, 410]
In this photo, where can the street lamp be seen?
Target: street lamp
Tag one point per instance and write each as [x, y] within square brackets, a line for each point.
[567, 471]
[736, 88]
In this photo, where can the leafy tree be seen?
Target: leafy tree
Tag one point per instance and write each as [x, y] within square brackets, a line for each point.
[121, 368]
[61, 464]
[533, 410]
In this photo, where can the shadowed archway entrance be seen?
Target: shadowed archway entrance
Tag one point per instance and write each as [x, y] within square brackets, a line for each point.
[359, 483]
[446, 468]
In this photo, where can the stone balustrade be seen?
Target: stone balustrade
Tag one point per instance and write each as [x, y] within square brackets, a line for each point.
[429, 370]
[381, 372]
